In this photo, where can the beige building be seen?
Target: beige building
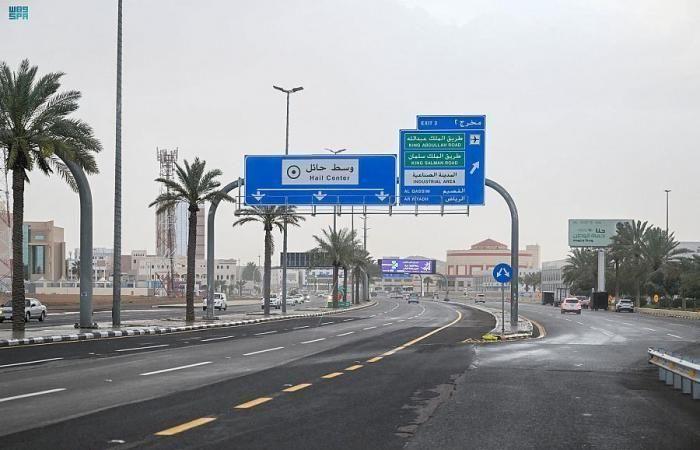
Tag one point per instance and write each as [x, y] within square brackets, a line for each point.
[43, 251]
[464, 266]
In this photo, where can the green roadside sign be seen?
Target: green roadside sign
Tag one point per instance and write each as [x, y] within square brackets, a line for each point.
[433, 159]
[420, 140]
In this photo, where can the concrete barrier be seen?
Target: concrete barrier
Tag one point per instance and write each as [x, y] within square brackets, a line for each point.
[691, 315]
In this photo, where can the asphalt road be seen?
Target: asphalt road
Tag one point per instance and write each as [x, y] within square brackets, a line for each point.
[587, 384]
[360, 379]
[389, 376]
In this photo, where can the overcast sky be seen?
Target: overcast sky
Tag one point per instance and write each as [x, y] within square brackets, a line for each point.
[592, 106]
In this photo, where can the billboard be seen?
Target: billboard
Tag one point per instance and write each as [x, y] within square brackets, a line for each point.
[414, 266]
[593, 232]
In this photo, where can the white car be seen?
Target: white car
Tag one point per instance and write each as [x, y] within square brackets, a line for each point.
[220, 302]
[33, 309]
[275, 301]
[624, 304]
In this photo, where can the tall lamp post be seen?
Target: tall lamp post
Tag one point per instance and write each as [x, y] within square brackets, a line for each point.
[667, 191]
[284, 238]
[116, 254]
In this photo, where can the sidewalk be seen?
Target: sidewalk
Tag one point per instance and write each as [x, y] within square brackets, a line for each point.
[62, 333]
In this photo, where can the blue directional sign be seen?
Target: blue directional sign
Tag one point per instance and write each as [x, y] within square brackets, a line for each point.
[442, 163]
[503, 273]
[320, 180]
[451, 122]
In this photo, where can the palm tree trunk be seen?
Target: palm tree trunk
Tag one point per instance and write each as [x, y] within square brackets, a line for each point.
[267, 269]
[345, 284]
[617, 279]
[335, 286]
[17, 261]
[191, 248]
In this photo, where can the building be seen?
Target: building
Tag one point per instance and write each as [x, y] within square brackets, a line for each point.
[552, 278]
[43, 251]
[181, 232]
[692, 246]
[102, 264]
[468, 268]
[296, 279]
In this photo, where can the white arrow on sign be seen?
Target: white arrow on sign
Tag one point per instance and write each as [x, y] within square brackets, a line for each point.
[258, 196]
[502, 272]
[320, 196]
[474, 167]
[382, 196]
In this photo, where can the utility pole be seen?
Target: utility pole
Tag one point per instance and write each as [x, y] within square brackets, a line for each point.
[116, 254]
[667, 191]
[286, 208]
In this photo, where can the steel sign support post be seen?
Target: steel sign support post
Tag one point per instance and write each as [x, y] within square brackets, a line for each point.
[85, 245]
[514, 245]
[503, 309]
[209, 315]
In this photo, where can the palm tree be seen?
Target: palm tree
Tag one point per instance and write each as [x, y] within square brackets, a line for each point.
[428, 282]
[661, 254]
[338, 246]
[270, 217]
[194, 186]
[580, 270]
[35, 131]
[628, 245]
[359, 263]
[240, 284]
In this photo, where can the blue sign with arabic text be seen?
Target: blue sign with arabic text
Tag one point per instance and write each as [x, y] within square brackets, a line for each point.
[442, 162]
[320, 180]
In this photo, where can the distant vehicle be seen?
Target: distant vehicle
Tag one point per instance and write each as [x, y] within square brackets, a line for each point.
[395, 295]
[373, 294]
[547, 298]
[624, 304]
[275, 301]
[220, 302]
[480, 298]
[585, 301]
[306, 297]
[435, 295]
[33, 309]
[571, 305]
[557, 302]
[412, 298]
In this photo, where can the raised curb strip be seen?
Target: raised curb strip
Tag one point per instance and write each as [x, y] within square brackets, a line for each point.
[161, 330]
[692, 315]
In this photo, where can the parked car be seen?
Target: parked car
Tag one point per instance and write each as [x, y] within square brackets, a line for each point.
[412, 298]
[220, 302]
[585, 301]
[624, 304]
[571, 305]
[480, 298]
[33, 309]
[275, 301]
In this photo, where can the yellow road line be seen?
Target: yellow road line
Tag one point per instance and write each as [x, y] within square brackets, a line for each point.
[298, 387]
[437, 330]
[186, 426]
[252, 403]
[332, 375]
[375, 359]
[355, 367]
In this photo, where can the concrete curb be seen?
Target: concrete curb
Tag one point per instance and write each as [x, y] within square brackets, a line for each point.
[496, 331]
[163, 330]
[691, 315]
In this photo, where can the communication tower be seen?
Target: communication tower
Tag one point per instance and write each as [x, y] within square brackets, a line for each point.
[165, 222]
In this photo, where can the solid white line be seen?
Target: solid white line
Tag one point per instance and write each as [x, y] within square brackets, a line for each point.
[33, 394]
[326, 323]
[673, 335]
[141, 348]
[175, 368]
[29, 362]
[369, 328]
[650, 329]
[315, 340]
[265, 332]
[217, 338]
[348, 320]
[345, 334]
[262, 351]
[299, 328]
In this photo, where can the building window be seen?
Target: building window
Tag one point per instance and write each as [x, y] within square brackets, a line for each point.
[38, 256]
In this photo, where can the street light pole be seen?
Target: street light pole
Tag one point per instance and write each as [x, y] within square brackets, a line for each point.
[667, 191]
[284, 231]
[117, 251]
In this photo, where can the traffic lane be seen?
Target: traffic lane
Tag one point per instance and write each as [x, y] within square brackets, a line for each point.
[577, 387]
[96, 384]
[619, 328]
[396, 391]
[105, 347]
[71, 317]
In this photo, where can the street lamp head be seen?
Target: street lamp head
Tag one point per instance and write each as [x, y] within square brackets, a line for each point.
[279, 88]
[300, 88]
[335, 152]
[667, 190]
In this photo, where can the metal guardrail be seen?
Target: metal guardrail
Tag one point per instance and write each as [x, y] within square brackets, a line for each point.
[676, 371]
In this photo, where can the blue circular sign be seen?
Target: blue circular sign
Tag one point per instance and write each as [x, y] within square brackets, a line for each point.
[503, 273]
